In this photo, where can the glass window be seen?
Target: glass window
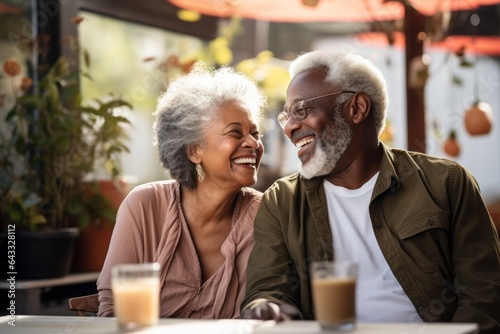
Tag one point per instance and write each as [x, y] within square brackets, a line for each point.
[131, 61]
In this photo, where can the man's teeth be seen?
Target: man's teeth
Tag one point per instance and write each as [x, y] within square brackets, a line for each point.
[245, 161]
[303, 142]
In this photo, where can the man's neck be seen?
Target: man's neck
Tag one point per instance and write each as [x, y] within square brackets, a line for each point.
[353, 173]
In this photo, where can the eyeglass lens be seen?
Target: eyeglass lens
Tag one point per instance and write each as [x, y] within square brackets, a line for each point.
[298, 111]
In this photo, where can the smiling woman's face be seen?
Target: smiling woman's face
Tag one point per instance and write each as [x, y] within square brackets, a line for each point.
[233, 149]
[323, 136]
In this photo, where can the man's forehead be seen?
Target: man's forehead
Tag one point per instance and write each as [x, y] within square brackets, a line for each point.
[305, 85]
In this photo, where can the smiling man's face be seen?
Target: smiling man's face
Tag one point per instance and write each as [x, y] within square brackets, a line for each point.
[323, 136]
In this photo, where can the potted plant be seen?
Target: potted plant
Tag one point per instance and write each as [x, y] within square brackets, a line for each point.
[104, 197]
[50, 141]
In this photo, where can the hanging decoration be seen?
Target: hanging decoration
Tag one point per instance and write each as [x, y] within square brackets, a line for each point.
[478, 119]
[451, 146]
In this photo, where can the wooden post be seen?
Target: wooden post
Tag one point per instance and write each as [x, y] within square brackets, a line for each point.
[415, 110]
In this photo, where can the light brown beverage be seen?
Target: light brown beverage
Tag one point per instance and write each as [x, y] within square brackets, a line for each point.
[136, 294]
[334, 299]
[137, 302]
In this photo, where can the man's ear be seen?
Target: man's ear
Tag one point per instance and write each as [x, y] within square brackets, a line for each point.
[359, 108]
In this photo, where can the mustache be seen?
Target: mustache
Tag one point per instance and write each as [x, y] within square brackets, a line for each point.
[297, 134]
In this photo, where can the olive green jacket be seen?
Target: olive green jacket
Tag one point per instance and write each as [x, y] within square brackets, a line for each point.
[430, 222]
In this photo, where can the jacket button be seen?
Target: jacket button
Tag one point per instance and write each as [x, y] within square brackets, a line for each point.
[430, 221]
[378, 225]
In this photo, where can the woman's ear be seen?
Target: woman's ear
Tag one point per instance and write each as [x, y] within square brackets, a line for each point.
[359, 108]
[192, 154]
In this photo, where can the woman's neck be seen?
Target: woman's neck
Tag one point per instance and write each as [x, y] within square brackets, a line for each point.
[206, 205]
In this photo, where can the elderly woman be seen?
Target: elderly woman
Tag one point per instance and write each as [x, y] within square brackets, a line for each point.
[198, 226]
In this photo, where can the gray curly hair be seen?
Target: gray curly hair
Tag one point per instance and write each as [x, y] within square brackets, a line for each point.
[349, 71]
[187, 108]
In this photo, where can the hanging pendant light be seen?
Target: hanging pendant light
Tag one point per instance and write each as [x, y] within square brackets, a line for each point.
[478, 118]
[451, 146]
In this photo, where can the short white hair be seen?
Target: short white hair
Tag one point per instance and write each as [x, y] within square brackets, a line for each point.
[349, 71]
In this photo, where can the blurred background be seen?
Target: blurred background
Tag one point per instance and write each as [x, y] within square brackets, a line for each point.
[137, 48]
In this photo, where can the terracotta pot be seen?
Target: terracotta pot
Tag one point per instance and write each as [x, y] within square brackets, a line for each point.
[93, 241]
[116, 191]
[91, 248]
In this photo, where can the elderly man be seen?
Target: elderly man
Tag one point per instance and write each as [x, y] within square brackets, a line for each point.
[416, 225]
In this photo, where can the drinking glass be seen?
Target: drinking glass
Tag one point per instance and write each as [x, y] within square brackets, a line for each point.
[334, 294]
[136, 295]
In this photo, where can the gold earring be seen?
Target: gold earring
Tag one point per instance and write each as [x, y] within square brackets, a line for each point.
[200, 173]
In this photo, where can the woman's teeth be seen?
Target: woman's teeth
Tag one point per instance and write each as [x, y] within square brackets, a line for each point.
[245, 161]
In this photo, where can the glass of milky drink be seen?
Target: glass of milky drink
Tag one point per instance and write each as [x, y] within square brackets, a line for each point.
[334, 294]
[136, 295]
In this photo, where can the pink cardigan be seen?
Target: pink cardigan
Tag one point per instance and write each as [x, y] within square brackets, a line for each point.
[150, 227]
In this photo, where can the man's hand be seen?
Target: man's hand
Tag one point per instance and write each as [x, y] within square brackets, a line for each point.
[272, 311]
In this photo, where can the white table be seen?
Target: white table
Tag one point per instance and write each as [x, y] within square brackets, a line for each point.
[28, 292]
[93, 325]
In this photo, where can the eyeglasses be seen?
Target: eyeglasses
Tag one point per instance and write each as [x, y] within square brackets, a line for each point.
[299, 111]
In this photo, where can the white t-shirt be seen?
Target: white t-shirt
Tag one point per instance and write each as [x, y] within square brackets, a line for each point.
[379, 296]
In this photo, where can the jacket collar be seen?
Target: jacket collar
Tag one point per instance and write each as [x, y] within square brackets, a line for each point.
[388, 177]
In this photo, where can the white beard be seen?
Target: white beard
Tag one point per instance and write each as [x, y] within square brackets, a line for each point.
[330, 147]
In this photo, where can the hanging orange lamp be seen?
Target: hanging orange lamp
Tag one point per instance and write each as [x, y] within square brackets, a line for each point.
[478, 119]
[451, 146]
